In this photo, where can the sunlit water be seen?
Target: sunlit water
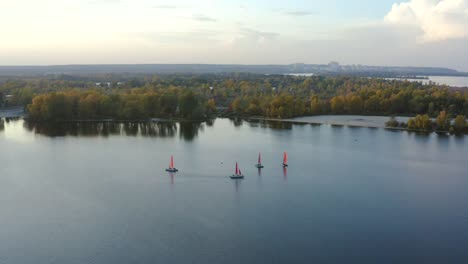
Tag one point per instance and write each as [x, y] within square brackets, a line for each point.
[99, 194]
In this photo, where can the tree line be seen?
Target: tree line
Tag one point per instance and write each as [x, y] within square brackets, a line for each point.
[274, 96]
[442, 123]
[137, 104]
[360, 97]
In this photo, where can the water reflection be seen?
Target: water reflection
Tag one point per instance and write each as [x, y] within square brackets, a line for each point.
[315, 124]
[272, 124]
[8, 120]
[210, 122]
[337, 126]
[351, 127]
[237, 121]
[285, 173]
[237, 183]
[277, 125]
[159, 130]
[188, 130]
[2, 124]
[420, 136]
[171, 177]
[259, 178]
[443, 140]
[459, 138]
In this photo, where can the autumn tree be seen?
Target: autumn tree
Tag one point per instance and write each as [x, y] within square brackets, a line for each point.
[443, 121]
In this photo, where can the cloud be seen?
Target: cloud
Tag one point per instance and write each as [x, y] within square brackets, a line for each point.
[203, 18]
[298, 13]
[166, 6]
[104, 2]
[246, 38]
[171, 38]
[256, 35]
[438, 19]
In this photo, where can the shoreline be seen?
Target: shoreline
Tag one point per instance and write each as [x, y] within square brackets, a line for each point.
[12, 112]
[310, 122]
[337, 123]
[355, 121]
[336, 120]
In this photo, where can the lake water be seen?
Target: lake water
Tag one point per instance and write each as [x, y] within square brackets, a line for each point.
[454, 81]
[443, 80]
[98, 193]
[348, 120]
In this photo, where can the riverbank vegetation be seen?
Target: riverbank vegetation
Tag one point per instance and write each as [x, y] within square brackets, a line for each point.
[442, 123]
[202, 96]
[134, 105]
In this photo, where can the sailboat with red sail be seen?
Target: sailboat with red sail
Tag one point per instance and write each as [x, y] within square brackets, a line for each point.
[259, 163]
[171, 166]
[285, 160]
[238, 174]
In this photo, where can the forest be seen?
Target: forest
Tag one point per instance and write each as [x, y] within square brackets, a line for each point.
[203, 96]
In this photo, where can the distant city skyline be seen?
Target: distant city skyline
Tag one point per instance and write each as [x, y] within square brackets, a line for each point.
[424, 33]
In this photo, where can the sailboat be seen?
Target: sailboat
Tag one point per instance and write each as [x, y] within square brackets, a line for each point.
[285, 160]
[259, 163]
[237, 174]
[171, 166]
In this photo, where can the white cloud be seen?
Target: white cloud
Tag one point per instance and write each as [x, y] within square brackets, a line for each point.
[247, 38]
[438, 19]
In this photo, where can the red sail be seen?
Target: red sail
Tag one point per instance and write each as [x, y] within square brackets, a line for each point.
[285, 158]
[172, 162]
[237, 169]
[259, 159]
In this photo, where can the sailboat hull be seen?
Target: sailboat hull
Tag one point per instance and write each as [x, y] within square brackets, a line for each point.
[259, 166]
[172, 170]
[285, 165]
[234, 177]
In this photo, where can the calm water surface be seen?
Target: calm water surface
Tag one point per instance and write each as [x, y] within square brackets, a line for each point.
[99, 194]
[453, 81]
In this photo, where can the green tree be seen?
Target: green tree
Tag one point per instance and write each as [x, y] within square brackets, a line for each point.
[459, 123]
[392, 122]
[443, 121]
[337, 104]
[187, 104]
[420, 122]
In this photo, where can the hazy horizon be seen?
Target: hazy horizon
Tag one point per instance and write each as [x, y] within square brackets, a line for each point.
[420, 33]
[222, 64]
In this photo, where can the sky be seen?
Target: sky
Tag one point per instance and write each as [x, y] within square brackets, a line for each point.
[370, 32]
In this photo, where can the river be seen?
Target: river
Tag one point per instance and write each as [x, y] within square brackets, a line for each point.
[98, 193]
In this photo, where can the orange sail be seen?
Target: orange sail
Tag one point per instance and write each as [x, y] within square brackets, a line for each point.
[171, 165]
[259, 158]
[285, 158]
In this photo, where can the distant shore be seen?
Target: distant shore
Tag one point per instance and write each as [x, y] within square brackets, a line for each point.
[334, 120]
[349, 120]
[12, 112]
[340, 120]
